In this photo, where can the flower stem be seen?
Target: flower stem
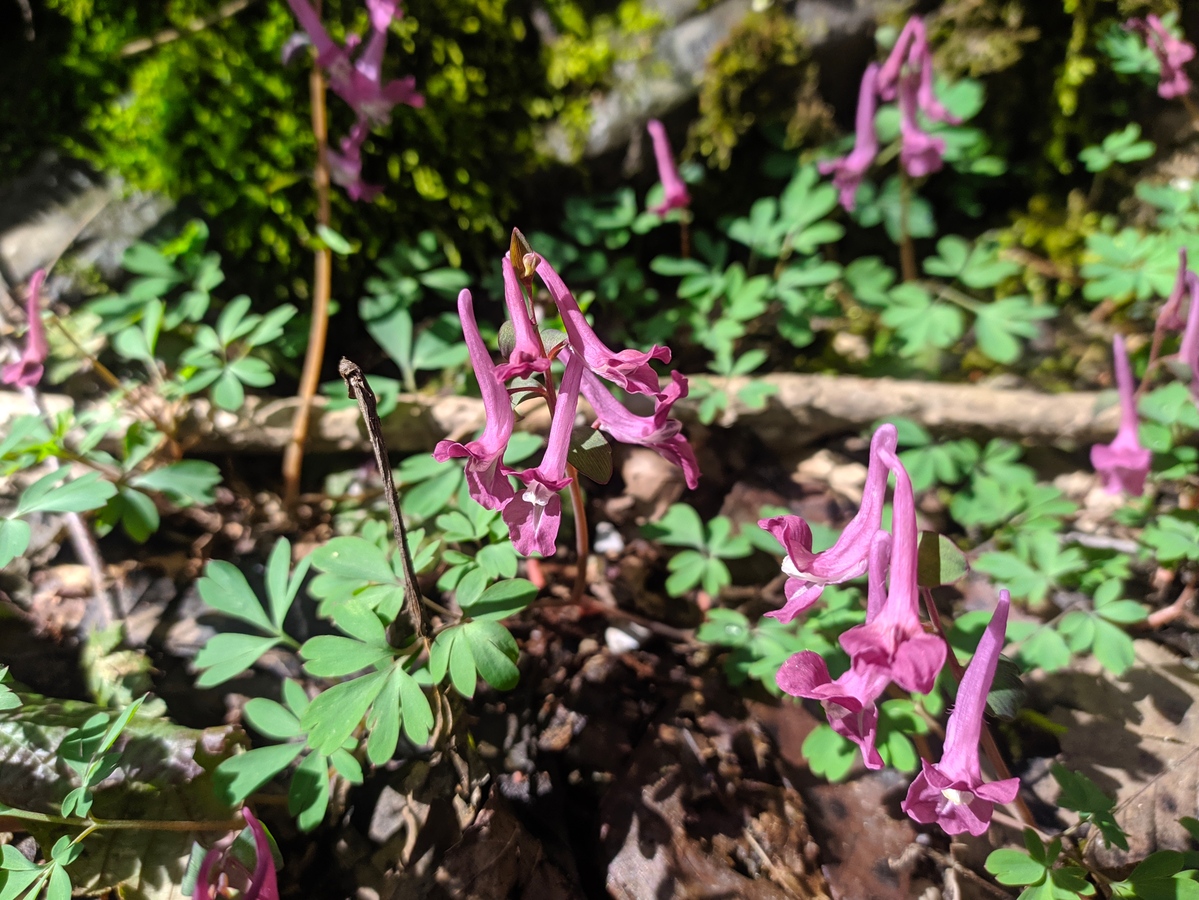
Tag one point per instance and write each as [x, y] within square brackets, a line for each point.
[582, 538]
[907, 249]
[986, 739]
[293, 455]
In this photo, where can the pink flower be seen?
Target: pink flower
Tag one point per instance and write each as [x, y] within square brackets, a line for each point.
[527, 355]
[913, 34]
[849, 701]
[345, 168]
[1170, 317]
[676, 191]
[533, 515]
[920, 153]
[1172, 55]
[261, 884]
[952, 792]
[1124, 463]
[360, 82]
[27, 371]
[894, 641]
[848, 171]
[486, 475]
[629, 369]
[809, 572]
[658, 432]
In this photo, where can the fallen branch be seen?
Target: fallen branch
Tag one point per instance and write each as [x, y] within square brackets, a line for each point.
[806, 410]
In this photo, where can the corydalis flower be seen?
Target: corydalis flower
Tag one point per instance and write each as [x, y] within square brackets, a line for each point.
[920, 153]
[1172, 55]
[848, 171]
[486, 476]
[895, 640]
[676, 191]
[629, 369]
[809, 572]
[528, 354]
[1124, 463]
[360, 81]
[27, 371]
[952, 793]
[534, 514]
[345, 168]
[659, 432]
[848, 701]
[220, 872]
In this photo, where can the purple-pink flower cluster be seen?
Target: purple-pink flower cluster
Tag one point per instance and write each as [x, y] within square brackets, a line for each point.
[892, 645]
[1172, 54]
[27, 371]
[908, 75]
[356, 75]
[533, 509]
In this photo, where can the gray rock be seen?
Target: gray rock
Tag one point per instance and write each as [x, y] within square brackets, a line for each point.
[60, 204]
[671, 74]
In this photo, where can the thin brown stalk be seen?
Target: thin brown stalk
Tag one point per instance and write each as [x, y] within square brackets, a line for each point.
[293, 455]
[907, 248]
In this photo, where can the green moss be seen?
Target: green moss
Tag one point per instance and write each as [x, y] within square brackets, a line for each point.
[759, 72]
[214, 117]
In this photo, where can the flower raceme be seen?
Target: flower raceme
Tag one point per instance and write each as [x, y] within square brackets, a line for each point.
[1172, 55]
[27, 371]
[907, 75]
[359, 82]
[533, 510]
[892, 645]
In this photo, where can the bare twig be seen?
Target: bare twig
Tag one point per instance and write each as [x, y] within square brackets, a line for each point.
[166, 36]
[361, 391]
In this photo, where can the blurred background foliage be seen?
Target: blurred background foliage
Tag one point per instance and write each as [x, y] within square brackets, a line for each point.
[209, 116]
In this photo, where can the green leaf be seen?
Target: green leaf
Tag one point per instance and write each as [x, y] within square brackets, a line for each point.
[353, 557]
[332, 656]
[226, 590]
[271, 719]
[186, 482]
[1015, 867]
[828, 754]
[238, 777]
[724, 626]
[227, 655]
[681, 526]
[14, 539]
[227, 392]
[308, 795]
[383, 724]
[1045, 649]
[336, 712]
[1113, 648]
[87, 492]
[347, 766]
[939, 561]
[998, 324]
[506, 598]
[494, 651]
[418, 714]
[591, 454]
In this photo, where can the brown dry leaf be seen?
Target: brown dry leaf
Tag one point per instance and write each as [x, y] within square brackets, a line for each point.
[498, 858]
[1137, 738]
[686, 821]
